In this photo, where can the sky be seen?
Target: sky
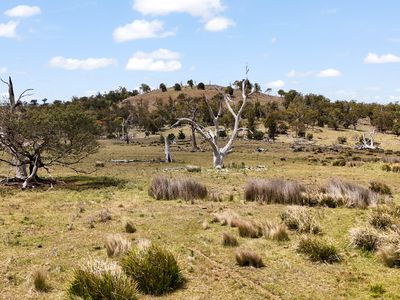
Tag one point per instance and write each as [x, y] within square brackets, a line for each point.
[342, 49]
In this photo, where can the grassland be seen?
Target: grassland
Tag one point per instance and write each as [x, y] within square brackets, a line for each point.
[58, 229]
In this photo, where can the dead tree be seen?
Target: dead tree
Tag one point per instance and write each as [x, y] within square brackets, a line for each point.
[368, 143]
[168, 157]
[211, 136]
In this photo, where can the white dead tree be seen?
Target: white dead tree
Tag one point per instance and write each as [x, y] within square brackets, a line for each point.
[211, 136]
[168, 157]
[18, 160]
[368, 143]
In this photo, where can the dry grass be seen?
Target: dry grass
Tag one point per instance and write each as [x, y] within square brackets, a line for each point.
[40, 278]
[227, 217]
[104, 216]
[117, 245]
[390, 255]
[365, 238]
[248, 228]
[162, 188]
[353, 195]
[300, 219]
[229, 240]
[275, 231]
[275, 191]
[381, 218]
[248, 258]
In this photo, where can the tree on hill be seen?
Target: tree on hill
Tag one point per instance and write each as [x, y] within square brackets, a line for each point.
[201, 86]
[163, 87]
[177, 87]
[211, 136]
[145, 88]
[190, 83]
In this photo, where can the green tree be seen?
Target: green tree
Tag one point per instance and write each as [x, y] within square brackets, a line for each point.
[190, 83]
[201, 86]
[177, 87]
[145, 88]
[163, 87]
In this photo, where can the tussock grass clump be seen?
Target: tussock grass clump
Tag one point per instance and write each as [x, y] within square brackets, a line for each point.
[386, 168]
[229, 240]
[365, 238]
[300, 219]
[390, 255]
[380, 188]
[248, 228]
[101, 280]
[381, 218]
[155, 270]
[116, 245]
[274, 231]
[275, 191]
[353, 195]
[318, 249]
[227, 217]
[130, 227]
[104, 216]
[40, 283]
[162, 188]
[248, 258]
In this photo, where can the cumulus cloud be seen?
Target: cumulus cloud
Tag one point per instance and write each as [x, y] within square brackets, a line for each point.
[219, 24]
[9, 30]
[276, 84]
[81, 64]
[141, 29]
[373, 58]
[161, 60]
[3, 70]
[197, 8]
[23, 11]
[329, 73]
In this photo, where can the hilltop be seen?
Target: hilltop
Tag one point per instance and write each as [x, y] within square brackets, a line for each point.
[209, 91]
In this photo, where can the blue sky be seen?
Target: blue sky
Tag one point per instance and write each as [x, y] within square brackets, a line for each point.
[341, 49]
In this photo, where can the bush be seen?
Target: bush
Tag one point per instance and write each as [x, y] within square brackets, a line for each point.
[116, 245]
[390, 255]
[130, 227]
[40, 281]
[162, 188]
[276, 232]
[229, 90]
[247, 258]
[163, 87]
[365, 238]
[201, 86]
[181, 135]
[381, 219]
[248, 229]
[396, 169]
[229, 240]
[318, 250]
[257, 135]
[380, 188]
[342, 140]
[353, 195]
[100, 280]
[339, 163]
[309, 136]
[155, 270]
[282, 128]
[300, 219]
[177, 87]
[275, 191]
[386, 168]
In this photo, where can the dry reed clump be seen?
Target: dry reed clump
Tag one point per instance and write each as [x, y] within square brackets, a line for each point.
[380, 188]
[130, 227]
[275, 231]
[101, 280]
[300, 219]
[317, 198]
[381, 218]
[390, 255]
[40, 283]
[352, 195]
[248, 258]
[365, 238]
[229, 240]
[104, 216]
[275, 191]
[318, 249]
[117, 245]
[163, 188]
[227, 217]
[248, 228]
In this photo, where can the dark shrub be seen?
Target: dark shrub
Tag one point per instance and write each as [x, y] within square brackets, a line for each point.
[318, 250]
[247, 258]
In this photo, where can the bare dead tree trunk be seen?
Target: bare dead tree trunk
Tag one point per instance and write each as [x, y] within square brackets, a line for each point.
[194, 141]
[168, 158]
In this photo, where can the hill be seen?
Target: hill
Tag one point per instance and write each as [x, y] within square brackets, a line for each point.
[209, 91]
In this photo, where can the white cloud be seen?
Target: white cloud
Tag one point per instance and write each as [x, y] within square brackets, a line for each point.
[23, 11]
[274, 40]
[294, 73]
[83, 64]
[161, 60]
[9, 30]
[3, 70]
[219, 24]
[197, 8]
[373, 58]
[329, 73]
[140, 29]
[276, 84]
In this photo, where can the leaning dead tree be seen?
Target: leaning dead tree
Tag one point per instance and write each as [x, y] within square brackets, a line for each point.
[368, 143]
[212, 136]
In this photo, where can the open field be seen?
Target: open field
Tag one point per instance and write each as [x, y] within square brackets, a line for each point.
[58, 230]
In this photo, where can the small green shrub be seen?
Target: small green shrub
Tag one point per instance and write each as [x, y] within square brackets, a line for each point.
[100, 280]
[380, 188]
[377, 291]
[181, 135]
[386, 168]
[318, 250]
[155, 270]
[130, 227]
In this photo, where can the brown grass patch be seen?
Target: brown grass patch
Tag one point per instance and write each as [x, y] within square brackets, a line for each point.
[275, 231]
[300, 219]
[248, 258]
[229, 240]
[117, 245]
